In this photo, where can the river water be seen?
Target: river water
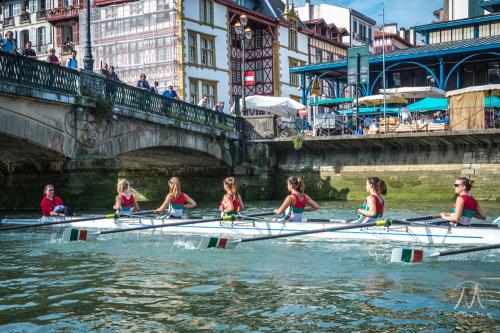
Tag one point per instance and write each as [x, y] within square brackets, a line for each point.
[153, 283]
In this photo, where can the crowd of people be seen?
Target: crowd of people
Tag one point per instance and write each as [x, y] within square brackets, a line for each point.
[291, 210]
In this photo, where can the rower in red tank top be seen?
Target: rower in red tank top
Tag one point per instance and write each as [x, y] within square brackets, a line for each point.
[231, 203]
[125, 201]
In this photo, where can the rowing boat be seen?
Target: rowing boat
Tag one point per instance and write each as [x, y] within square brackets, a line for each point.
[409, 233]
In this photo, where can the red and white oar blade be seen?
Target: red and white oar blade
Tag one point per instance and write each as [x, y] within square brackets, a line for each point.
[75, 235]
[411, 255]
[208, 242]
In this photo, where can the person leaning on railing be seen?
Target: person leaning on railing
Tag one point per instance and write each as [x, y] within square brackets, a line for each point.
[52, 58]
[9, 43]
[28, 51]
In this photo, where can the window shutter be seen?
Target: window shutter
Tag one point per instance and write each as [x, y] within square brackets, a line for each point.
[76, 34]
[58, 36]
[32, 36]
[59, 3]
[49, 34]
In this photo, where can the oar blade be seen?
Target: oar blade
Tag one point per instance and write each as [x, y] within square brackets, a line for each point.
[411, 255]
[208, 242]
[75, 235]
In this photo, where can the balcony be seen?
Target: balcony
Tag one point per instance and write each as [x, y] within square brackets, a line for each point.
[100, 3]
[64, 13]
[42, 48]
[41, 15]
[24, 17]
[8, 21]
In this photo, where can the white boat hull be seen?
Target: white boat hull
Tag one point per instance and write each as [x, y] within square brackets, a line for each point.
[422, 234]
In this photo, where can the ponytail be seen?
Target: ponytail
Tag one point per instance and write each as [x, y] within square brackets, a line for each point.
[232, 186]
[466, 182]
[175, 188]
[122, 184]
[297, 183]
[378, 184]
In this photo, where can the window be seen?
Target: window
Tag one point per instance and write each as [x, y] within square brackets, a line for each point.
[484, 30]
[457, 34]
[494, 73]
[370, 34]
[259, 72]
[495, 29]
[41, 37]
[318, 56]
[207, 46]
[193, 91]
[434, 37]
[294, 78]
[209, 88]
[206, 11]
[468, 32]
[192, 47]
[445, 36]
[292, 36]
[468, 77]
[396, 79]
[355, 27]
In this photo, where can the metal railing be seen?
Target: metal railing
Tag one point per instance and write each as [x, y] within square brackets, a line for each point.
[24, 17]
[41, 14]
[8, 21]
[33, 73]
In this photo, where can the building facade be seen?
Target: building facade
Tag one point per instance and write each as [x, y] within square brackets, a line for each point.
[360, 27]
[28, 21]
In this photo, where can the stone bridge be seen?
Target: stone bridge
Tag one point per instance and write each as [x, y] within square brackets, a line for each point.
[57, 118]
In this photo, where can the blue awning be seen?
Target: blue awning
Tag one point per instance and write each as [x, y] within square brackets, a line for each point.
[441, 104]
[331, 102]
[367, 111]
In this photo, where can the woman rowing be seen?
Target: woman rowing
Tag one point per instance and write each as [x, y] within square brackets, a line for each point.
[176, 200]
[296, 203]
[51, 204]
[373, 207]
[231, 203]
[465, 207]
[125, 201]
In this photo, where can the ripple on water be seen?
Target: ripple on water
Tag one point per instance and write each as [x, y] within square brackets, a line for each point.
[206, 288]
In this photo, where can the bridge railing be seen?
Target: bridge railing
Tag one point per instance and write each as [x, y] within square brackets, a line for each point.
[39, 74]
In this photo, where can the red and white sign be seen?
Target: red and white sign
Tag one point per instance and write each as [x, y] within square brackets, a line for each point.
[303, 112]
[249, 78]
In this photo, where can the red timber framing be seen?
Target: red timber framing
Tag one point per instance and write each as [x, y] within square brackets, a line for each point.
[259, 55]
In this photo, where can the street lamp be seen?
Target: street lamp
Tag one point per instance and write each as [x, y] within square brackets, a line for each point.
[88, 61]
[243, 33]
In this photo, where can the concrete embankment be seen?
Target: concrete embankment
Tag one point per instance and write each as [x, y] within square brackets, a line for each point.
[416, 167]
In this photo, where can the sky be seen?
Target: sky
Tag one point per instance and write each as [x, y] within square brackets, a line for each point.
[406, 13]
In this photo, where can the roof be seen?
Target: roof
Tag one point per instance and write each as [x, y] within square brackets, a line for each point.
[378, 35]
[491, 43]
[331, 102]
[492, 89]
[454, 23]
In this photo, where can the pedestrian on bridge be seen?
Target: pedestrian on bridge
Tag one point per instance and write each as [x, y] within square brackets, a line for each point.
[72, 62]
[142, 83]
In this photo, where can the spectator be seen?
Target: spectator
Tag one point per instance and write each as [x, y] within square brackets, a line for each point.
[28, 51]
[9, 43]
[405, 115]
[154, 88]
[348, 126]
[446, 119]
[72, 62]
[367, 122]
[52, 58]
[221, 107]
[170, 92]
[105, 70]
[142, 83]
[203, 102]
[112, 74]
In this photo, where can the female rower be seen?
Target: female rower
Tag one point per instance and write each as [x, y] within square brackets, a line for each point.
[176, 200]
[51, 204]
[231, 202]
[373, 207]
[125, 201]
[465, 207]
[295, 203]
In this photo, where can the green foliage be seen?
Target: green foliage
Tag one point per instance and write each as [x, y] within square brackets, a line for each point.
[103, 108]
[298, 141]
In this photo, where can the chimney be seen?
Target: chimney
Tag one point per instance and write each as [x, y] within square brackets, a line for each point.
[402, 32]
[308, 8]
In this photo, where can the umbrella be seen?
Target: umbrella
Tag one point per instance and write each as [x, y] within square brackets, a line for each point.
[281, 106]
[415, 92]
[379, 100]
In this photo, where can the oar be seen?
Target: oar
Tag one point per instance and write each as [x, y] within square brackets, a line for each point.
[72, 234]
[423, 218]
[231, 243]
[66, 221]
[418, 255]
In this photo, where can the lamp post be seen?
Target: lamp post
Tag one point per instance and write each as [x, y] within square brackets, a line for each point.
[88, 61]
[243, 33]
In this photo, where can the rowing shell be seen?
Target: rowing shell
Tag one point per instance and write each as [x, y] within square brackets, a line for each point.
[416, 233]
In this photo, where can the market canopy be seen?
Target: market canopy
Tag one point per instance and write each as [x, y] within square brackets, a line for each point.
[331, 102]
[415, 92]
[429, 104]
[367, 111]
[373, 100]
[438, 104]
[489, 90]
[281, 106]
